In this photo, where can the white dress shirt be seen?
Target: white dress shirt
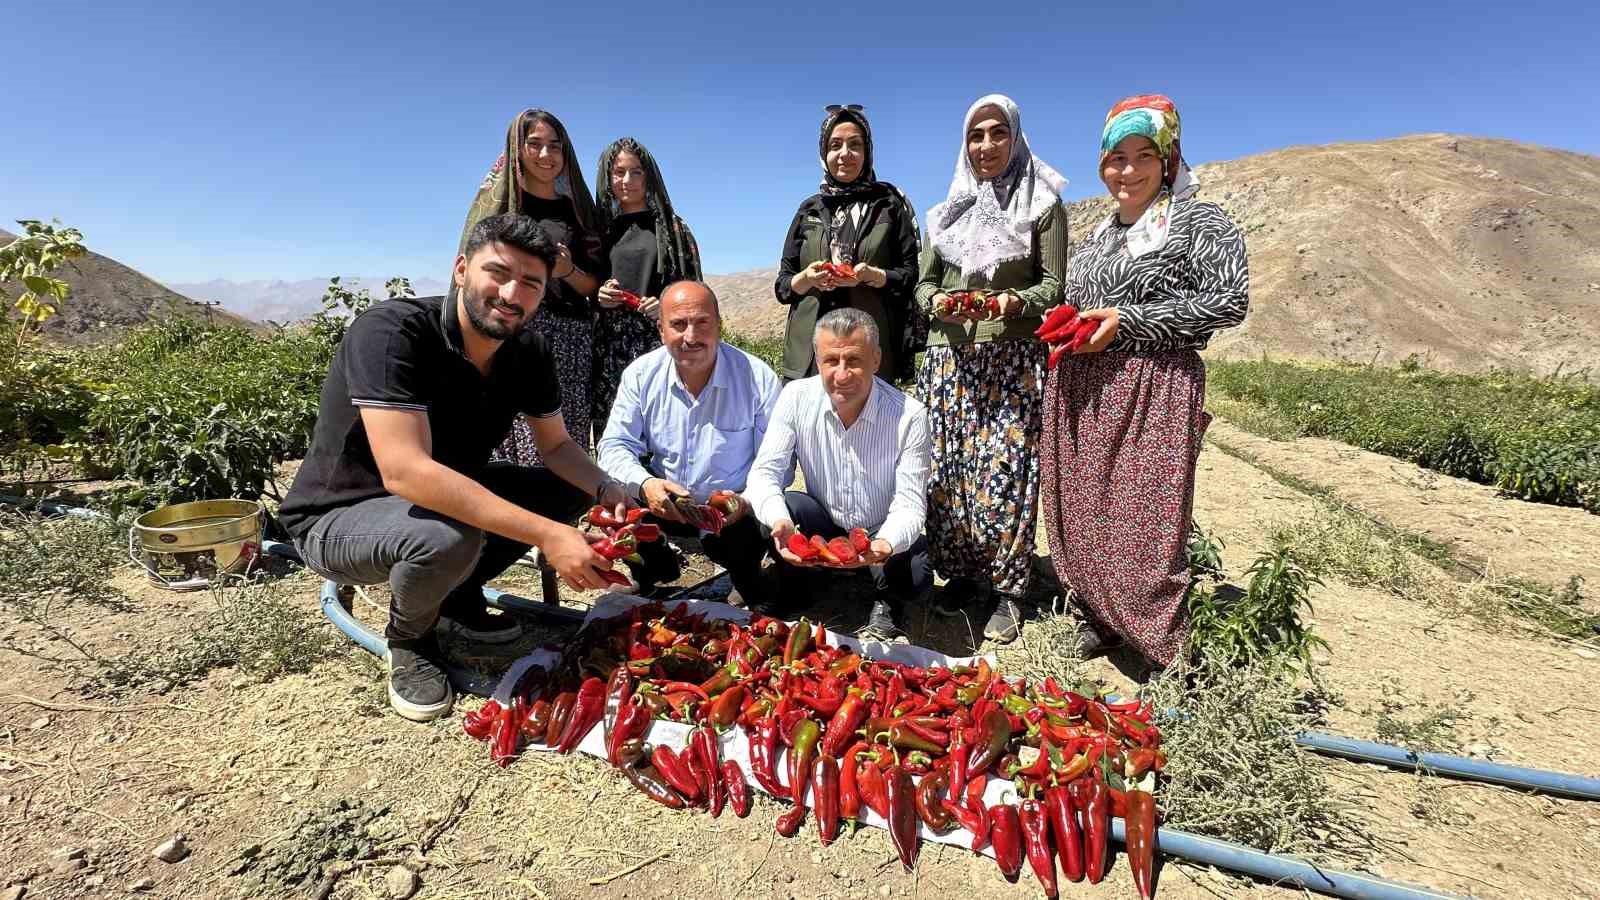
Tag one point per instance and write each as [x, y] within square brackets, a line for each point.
[704, 443]
[872, 475]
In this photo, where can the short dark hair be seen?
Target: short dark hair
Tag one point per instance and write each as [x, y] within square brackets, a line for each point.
[514, 230]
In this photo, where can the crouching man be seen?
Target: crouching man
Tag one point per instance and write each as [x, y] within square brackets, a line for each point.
[397, 485]
[863, 448]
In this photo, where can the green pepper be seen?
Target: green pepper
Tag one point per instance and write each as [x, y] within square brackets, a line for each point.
[1016, 704]
[802, 754]
[798, 643]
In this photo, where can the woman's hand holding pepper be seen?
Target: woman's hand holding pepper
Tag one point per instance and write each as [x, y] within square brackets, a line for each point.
[938, 302]
[650, 307]
[871, 276]
[610, 295]
[1110, 321]
[813, 277]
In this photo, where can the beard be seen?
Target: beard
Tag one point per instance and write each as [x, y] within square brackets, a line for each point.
[478, 314]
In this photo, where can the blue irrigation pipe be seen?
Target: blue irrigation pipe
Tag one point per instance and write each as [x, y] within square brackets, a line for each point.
[1286, 870]
[50, 507]
[1561, 784]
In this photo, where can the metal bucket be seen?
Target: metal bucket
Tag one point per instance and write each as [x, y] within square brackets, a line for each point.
[183, 547]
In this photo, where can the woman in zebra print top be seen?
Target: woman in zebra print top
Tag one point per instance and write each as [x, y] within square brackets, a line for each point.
[1124, 415]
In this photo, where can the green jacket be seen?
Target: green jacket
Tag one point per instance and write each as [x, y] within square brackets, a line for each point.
[1037, 280]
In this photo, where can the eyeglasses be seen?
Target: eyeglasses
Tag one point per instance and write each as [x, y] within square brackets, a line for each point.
[834, 107]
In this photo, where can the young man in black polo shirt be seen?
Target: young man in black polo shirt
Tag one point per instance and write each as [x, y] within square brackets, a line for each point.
[397, 485]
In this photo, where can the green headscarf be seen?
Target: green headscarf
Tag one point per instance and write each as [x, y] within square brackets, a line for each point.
[677, 257]
[501, 191]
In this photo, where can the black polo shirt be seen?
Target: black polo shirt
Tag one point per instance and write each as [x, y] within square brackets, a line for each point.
[406, 354]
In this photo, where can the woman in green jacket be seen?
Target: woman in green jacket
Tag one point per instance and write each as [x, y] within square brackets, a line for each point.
[854, 219]
[1001, 230]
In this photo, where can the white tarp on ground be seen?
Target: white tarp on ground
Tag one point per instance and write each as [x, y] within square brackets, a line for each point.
[735, 745]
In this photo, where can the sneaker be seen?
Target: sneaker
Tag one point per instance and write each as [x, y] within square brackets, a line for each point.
[478, 625]
[419, 689]
[1005, 623]
[880, 625]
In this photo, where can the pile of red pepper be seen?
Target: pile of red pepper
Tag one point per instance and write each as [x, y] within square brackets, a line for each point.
[972, 304]
[1065, 331]
[622, 538]
[916, 745]
[839, 551]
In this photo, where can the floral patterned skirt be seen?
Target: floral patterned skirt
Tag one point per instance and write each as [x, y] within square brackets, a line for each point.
[570, 338]
[620, 337]
[1122, 434]
[984, 412]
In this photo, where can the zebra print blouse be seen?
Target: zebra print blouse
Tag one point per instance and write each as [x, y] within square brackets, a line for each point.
[1172, 298]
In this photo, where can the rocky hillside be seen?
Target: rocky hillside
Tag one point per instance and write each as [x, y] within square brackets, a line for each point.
[108, 297]
[1469, 252]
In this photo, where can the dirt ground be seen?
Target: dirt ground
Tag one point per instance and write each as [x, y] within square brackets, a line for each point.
[89, 788]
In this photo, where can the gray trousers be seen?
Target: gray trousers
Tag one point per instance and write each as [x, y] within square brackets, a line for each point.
[432, 563]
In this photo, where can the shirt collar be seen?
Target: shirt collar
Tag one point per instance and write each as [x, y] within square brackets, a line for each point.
[719, 373]
[450, 322]
[869, 411]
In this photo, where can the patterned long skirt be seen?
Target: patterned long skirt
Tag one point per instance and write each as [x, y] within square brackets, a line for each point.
[984, 411]
[570, 338]
[1122, 434]
[620, 337]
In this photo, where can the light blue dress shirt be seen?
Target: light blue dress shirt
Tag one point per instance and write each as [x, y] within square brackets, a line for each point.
[704, 443]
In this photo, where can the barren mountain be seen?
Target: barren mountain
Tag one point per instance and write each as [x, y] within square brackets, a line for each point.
[1469, 252]
[108, 297]
[284, 301]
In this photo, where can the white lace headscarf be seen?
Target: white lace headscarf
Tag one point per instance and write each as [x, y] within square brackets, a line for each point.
[983, 224]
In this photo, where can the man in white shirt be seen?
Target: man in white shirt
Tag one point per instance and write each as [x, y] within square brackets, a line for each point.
[696, 409]
[863, 448]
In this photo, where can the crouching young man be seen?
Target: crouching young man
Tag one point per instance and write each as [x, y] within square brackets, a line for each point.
[397, 485]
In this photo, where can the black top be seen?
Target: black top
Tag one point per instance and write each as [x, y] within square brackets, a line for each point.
[898, 278]
[561, 223]
[406, 354]
[633, 253]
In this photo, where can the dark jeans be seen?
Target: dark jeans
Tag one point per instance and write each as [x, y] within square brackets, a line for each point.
[739, 549]
[432, 563]
[903, 580]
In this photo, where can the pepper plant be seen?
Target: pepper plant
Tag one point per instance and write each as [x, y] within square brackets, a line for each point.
[1261, 622]
[30, 259]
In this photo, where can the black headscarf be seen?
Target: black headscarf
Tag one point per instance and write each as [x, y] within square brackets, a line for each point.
[848, 202]
[677, 257]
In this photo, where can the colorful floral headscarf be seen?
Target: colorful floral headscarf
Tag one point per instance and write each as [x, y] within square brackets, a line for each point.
[1155, 117]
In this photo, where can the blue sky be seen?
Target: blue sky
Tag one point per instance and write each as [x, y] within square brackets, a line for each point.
[298, 140]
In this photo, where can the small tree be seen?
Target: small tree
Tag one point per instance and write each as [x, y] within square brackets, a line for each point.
[30, 259]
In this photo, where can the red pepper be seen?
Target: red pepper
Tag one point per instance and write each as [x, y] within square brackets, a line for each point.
[860, 541]
[801, 547]
[503, 746]
[994, 733]
[844, 550]
[587, 710]
[1140, 827]
[707, 750]
[902, 814]
[929, 809]
[789, 823]
[802, 756]
[630, 299]
[975, 819]
[1085, 331]
[1036, 840]
[676, 772]
[825, 797]
[842, 727]
[764, 754]
[738, 789]
[725, 501]
[1096, 822]
[726, 707]
[619, 688]
[538, 719]
[479, 723]
[958, 763]
[1064, 831]
[824, 552]
[839, 270]
[632, 722]
[601, 517]
[1057, 354]
[1006, 835]
[560, 712]
[798, 642]
[647, 532]
[874, 789]
[1056, 318]
[649, 782]
[849, 791]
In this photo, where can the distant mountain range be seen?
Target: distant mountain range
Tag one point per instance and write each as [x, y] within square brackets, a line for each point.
[285, 301]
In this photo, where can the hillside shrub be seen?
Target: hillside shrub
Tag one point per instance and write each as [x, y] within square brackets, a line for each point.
[1534, 438]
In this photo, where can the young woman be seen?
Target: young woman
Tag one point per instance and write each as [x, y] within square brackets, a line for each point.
[646, 247]
[538, 175]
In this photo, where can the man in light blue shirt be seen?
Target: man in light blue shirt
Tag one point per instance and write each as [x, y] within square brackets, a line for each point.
[697, 410]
